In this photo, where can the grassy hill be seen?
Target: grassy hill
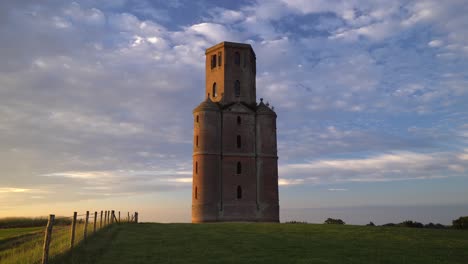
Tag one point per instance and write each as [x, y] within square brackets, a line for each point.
[270, 243]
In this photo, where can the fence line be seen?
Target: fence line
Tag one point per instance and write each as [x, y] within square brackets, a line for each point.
[109, 219]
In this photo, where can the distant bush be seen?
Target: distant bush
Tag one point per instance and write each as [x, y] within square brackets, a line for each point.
[334, 221]
[435, 226]
[370, 224]
[12, 222]
[460, 223]
[409, 223]
[295, 222]
[414, 224]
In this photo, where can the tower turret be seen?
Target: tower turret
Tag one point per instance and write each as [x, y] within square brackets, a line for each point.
[230, 73]
[206, 162]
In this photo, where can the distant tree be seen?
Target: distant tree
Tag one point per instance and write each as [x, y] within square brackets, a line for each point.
[334, 221]
[434, 226]
[409, 223]
[370, 224]
[460, 223]
[296, 222]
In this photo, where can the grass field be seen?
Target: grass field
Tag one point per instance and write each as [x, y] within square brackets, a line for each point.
[270, 243]
[24, 245]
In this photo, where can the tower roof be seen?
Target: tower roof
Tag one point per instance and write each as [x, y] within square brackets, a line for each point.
[207, 105]
[263, 109]
[230, 45]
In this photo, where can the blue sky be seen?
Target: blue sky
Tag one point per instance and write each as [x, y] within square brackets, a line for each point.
[371, 97]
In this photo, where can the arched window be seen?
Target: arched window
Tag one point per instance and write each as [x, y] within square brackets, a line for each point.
[239, 121]
[196, 167]
[214, 92]
[196, 192]
[237, 88]
[196, 141]
[197, 118]
[239, 192]
[239, 142]
[237, 58]
[239, 168]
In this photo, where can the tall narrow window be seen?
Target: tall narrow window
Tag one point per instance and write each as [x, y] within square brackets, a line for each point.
[196, 141]
[196, 167]
[239, 120]
[237, 58]
[239, 192]
[239, 168]
[196, 118]
[213, 61]
[220, 59]
[196, 192]
[239, 143]
[214, 92]
[237, 88]
[245, 59]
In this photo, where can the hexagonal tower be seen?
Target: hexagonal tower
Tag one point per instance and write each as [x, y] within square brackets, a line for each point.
[235, 162]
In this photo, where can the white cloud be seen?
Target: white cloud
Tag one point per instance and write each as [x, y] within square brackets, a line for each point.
[396, 166]
[94, 124]
[435, 43]
[286, 182]
[213, 32]
[13, 190]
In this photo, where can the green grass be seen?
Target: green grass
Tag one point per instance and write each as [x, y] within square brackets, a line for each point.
[12, 222]
[24, 245]
[270, 243]
[10, 233]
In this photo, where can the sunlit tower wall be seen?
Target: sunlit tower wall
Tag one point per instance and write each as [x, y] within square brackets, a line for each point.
[235, 171]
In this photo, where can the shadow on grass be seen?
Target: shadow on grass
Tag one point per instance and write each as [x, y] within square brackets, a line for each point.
[91, 250]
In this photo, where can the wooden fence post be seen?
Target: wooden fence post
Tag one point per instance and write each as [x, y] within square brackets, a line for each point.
[119, 217]
[100, 224]
[47, 237]
[95, 220]
[112, 217]
[85, 232]
[136, 217]
[105, 218]
[73, 226]
[128, 217]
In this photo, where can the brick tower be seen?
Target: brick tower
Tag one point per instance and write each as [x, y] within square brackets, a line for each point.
[235, 162]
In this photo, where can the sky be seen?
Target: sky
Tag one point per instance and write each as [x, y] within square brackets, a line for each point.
[96, 102]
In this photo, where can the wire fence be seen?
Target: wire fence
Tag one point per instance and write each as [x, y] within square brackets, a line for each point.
[60, 235]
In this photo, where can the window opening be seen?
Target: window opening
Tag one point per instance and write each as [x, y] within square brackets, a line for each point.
[213, 61]
[237, 58]
[214, 92]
